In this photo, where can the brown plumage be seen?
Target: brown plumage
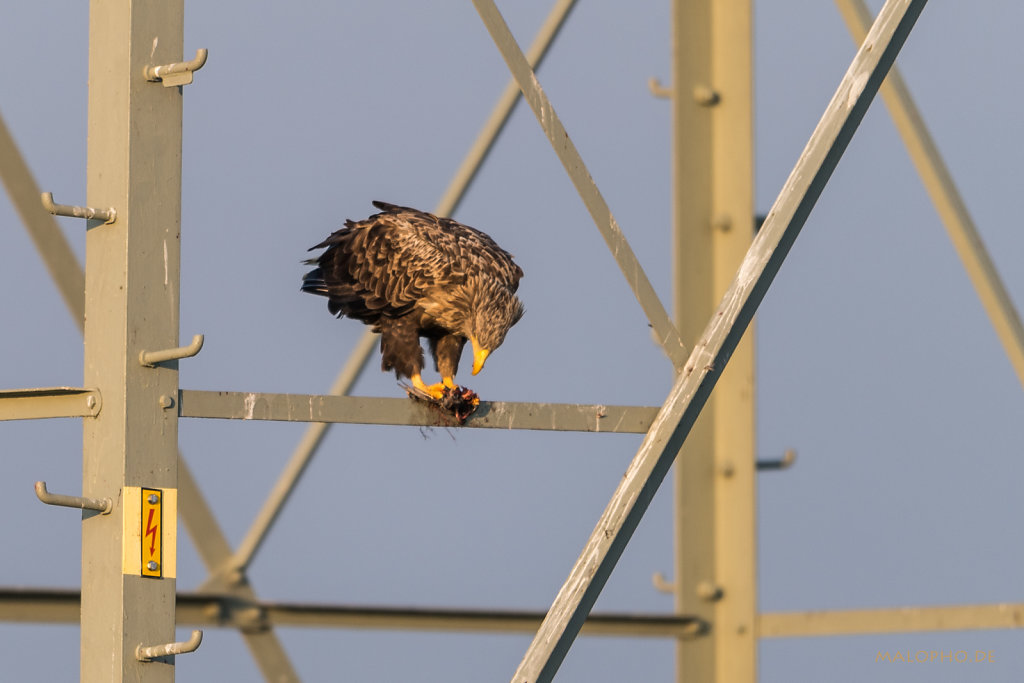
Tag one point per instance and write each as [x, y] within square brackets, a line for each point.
[412, 274]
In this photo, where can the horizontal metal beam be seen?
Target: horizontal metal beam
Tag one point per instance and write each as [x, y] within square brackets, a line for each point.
[36, 605]
[201, 609]
[892, 620]
[32, 404]
[475, 621]
[567, 417]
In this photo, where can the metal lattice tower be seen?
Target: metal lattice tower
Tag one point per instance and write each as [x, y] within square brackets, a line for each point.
[135, 484]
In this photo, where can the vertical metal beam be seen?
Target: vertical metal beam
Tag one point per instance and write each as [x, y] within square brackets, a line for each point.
[42, 227]
[693, 274]
[713, 210]
[718, 342]
[948, 202]
[199, 521]
[132, 295]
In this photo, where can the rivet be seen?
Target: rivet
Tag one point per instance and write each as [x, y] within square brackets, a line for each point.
[152, 566]
[709, 591]
[705, 95]
[722, 222]
[166, 401]
[90, 402]
[153, 499]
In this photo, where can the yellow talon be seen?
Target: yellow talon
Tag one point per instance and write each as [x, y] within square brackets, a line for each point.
[434, 390]
[448, 382]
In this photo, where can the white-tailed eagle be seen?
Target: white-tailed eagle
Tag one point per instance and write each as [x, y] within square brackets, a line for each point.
[412, 274]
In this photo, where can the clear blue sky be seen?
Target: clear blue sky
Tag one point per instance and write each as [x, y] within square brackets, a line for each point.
[875, 359]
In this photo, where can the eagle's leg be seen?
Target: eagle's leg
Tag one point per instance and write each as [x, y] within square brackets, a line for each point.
[447, 350]
[401, 351]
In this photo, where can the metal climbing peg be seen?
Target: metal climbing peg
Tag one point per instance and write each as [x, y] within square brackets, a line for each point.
[151, 358]
[103, 505]
[178, 73]
[87, 212]
[148, 653]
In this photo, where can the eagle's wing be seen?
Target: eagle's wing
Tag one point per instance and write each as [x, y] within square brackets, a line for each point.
[462, 250]
[476, 253]
[383, 265]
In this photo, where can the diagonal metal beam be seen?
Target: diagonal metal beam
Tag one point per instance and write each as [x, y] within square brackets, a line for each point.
[214, 549]
[209, 539]
[495, 123]
[42, 227]
[723, 333]
[297, 464]
[457, 188]
[664, 330]
[948, 203]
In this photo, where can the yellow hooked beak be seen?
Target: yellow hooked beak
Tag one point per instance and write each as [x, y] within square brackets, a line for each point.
[479, 355]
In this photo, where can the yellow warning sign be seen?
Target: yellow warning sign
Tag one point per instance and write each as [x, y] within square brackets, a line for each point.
[149, 539]
[152, 532]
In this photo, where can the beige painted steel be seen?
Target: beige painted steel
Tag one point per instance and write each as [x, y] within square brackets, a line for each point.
[202, 609]
[893, 620]
[719, 340]
[715, 494]
[238, 405]
[131, 304]
[770, 625]
[32, 404]
[233, 611]
[70, 278]
[24, 192]
[209, 540]
[948, 203]
[198, 518]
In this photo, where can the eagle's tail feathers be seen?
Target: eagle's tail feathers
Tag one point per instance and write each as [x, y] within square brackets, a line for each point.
[313, 282]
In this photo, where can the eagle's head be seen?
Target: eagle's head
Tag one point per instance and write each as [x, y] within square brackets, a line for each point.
[497, 309]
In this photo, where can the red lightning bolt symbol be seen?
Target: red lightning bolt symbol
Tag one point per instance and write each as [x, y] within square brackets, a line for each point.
[151, 531]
